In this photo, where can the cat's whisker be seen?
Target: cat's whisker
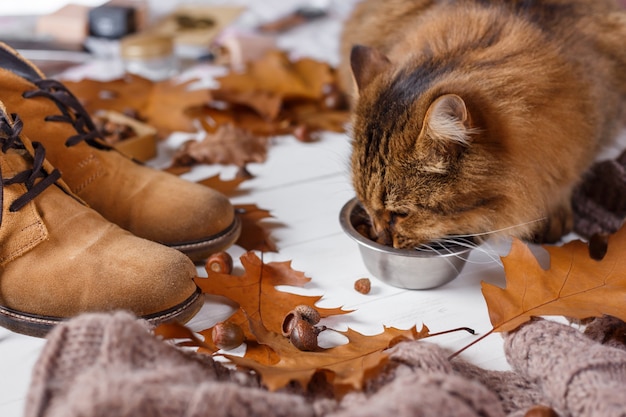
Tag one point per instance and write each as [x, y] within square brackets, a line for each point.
[496, 231]
[493, 257]
[426, 247]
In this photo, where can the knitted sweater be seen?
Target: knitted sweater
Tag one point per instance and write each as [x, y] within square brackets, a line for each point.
[111, 365]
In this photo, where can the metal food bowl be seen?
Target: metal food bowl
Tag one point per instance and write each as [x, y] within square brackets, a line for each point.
[416, 269]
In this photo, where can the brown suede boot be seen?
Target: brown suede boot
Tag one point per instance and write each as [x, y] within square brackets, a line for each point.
[149, 203]
[59, 258]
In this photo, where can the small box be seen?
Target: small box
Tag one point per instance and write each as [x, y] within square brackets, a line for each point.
[112, 22]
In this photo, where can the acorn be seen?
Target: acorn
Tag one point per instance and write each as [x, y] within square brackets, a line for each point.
[304, 335]
[220, 262]
[300, 312]
[227, 335]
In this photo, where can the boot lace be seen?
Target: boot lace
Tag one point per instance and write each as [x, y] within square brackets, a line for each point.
[10, 139]
[72, 112]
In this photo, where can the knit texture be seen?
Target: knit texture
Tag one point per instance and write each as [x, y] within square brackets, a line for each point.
[112, 365]
[599, 201]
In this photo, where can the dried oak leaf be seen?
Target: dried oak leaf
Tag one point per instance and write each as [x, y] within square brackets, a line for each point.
[262, 308]
[167, 108]
[244, 117]
[266, 104]
[574, 286]
[254, 235]
[166, 105]
[228, 145]
[346, 366]
[129, 92]
[275, 73]
[256, 294]
[226, 187]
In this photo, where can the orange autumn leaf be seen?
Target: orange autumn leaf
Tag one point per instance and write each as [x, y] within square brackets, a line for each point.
[226, 187]
[129, 92]
[276, 73]
[574, 286]
[262, 307]
[227, 145]
[256, 294]
[266, 104]
[254, 234]
[168, 104]
[177, 331]
[347, 366]
[244, 117]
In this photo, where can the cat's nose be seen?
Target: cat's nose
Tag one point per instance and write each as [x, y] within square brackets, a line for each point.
[385, 237]
[382, 232]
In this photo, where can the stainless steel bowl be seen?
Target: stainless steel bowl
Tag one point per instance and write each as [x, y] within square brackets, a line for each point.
[406, 268]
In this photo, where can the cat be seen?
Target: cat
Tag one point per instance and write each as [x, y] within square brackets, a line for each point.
[478, 117]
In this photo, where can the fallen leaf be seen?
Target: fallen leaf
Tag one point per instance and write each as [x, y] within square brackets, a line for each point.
[244, 117]
[254, 235]
[226, 187]
[274, 95]
[262, 308]
[256, 294]
[168, 103]
[177, 331]
[276, 73]
[127, 93]
[266, 104]
[574, 286]
[283, 95]
[347, 365]
[228, 145]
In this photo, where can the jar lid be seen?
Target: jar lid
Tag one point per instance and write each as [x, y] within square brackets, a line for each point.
[146, 46]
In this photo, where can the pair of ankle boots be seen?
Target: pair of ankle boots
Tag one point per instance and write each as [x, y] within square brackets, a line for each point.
[82, 227]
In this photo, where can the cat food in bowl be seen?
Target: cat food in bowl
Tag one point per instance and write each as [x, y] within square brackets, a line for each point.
[417, 269]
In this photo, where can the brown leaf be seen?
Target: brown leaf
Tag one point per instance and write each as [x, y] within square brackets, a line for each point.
[348, 364]
[254, 235]
[175, 330]
[255, 291]
[266, 104]
[317, 118]
[277, 74]
[574, 286]
[129, 92]
[166, 108]
[228, 145]
[226, 187]
[243, 117]
[262, 308]
[166, 105]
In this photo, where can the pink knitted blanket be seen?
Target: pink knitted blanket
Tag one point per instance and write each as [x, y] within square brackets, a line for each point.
[112, 365]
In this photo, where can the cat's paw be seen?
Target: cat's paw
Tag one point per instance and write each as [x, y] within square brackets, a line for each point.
[559, 223]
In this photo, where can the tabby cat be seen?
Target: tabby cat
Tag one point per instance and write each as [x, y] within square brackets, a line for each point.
[478, 117]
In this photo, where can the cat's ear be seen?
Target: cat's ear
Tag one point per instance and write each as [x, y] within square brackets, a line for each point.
[447, 120]
[367, 63]
[447, 131]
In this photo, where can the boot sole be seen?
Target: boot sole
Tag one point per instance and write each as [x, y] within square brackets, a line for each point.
[38, 325]
[199, 250]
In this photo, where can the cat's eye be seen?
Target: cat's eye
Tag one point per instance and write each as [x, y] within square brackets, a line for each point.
[395, 216]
